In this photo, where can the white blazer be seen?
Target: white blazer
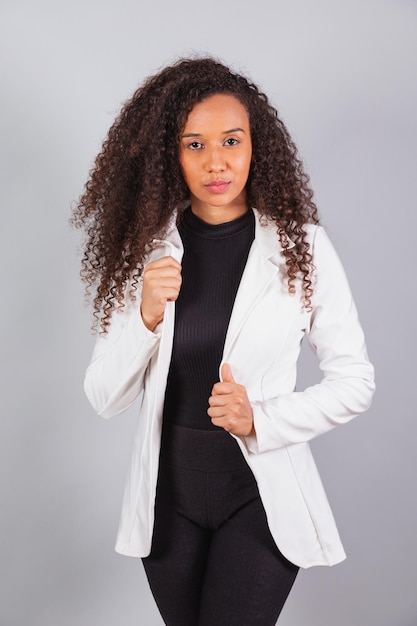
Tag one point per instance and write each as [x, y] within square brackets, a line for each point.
[262, 346]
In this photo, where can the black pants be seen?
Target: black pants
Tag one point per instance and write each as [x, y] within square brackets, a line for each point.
[213, 560]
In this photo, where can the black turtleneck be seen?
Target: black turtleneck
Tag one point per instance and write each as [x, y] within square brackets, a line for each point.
[212, 266]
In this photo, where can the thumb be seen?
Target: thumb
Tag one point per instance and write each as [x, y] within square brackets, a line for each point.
[227, 376]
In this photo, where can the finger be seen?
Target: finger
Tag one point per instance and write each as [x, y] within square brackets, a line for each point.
[217, 412]
[227, 375]
[165, 261]
[155, 280]
[167, 271]
[220, 423]
[223, 388]
[158, 283]
[218, 400]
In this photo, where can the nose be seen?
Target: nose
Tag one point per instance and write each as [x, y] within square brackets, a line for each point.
[215, 161]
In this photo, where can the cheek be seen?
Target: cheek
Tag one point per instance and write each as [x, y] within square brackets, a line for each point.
[244, 165]
[246, 157]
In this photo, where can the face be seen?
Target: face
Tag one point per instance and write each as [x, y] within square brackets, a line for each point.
[215, 157]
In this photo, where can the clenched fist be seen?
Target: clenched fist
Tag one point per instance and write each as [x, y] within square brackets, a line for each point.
[161, 283]
[230, 407]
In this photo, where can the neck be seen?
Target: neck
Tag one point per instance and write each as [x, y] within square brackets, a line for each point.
[218, 214]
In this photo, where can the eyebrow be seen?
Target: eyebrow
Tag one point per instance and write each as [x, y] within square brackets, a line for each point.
[225, 132]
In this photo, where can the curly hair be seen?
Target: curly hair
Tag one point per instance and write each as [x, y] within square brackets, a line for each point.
[136, 182]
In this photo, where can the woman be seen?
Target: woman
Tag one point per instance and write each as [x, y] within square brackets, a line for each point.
[198, 203]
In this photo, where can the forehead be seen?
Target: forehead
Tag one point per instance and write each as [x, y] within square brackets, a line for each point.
[219, 110]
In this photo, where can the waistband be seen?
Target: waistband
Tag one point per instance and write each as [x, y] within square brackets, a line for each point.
[201, 450]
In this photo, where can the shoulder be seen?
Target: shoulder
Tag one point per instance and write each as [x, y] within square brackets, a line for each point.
[313, 232]
[270, 228]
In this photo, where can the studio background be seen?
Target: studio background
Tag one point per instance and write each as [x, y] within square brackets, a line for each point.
[343, 77]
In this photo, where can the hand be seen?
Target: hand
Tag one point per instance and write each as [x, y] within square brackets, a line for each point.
[161, 283]
[230, 407]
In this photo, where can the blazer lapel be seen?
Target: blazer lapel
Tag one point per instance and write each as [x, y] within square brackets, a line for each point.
[262, 267]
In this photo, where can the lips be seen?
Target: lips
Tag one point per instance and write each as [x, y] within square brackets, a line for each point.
[217, 186]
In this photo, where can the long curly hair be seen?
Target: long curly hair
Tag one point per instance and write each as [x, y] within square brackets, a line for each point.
[136, 182]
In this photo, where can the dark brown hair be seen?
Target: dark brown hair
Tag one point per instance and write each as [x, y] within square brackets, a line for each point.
[136, 183]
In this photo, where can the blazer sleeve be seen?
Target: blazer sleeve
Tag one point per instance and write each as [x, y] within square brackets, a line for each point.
[336, 336]
[115, 376]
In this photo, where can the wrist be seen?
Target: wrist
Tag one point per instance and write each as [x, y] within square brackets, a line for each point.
[150, 323]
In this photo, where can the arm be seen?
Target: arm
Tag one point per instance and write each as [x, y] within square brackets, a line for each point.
[115, 376]
[337, 339]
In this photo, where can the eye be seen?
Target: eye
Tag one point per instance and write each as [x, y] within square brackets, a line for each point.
[231, 141]
[195, 145]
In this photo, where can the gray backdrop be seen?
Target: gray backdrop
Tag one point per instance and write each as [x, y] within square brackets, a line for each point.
[343, 77]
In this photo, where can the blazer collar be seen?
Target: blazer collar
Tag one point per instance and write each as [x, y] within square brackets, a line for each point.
[266, 237]
[172, 239]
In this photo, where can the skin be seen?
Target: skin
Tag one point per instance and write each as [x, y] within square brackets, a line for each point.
[215, 146]
[229, 405]
[161, 283]
[215, 157]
